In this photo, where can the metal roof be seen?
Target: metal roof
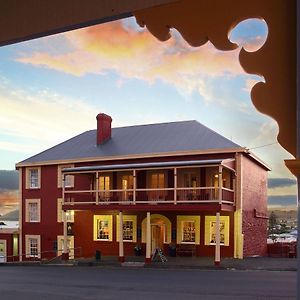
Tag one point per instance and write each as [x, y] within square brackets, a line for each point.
[137, 140]
[144, 165]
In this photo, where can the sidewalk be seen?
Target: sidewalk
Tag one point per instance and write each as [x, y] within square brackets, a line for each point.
[251, 263]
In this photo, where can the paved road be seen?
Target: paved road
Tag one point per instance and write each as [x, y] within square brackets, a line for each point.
[124, 283]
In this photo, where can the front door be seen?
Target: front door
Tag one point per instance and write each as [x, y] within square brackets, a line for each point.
[157, 236]
[2, 251]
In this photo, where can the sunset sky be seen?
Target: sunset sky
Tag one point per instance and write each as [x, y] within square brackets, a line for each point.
[52, 89]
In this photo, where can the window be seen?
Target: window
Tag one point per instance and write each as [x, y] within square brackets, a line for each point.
[70, 245]
[103, 228]
[104, 185]
[190, 179]
[127, 184]
[70, 213]
[188, 229]
[33, 210]
[158, 180]
[33, 176]
[33, 244]
[188, 232]
[69, 179]
[127, 231]
[210, 230]
[129, 228]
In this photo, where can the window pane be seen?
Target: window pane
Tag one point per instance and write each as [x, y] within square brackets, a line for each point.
[33, 178]
[213, 232]
[103, 230]
[128, 230]
[188, 231]
[33, 212]
[33, 247]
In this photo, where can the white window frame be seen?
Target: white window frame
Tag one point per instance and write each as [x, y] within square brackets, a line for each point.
[28, 238]
[70, 213]
[29, 185]
[222, 224]
[60, 245]
[126, 218]
[28, 202]
[109, 219]
[69, 179]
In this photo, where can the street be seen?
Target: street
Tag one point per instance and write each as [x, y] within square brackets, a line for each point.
[127, 283]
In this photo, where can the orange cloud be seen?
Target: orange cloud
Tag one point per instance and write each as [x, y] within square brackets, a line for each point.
[8, 201]
[137, 54]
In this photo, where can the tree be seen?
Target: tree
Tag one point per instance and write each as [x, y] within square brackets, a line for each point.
[272, 225]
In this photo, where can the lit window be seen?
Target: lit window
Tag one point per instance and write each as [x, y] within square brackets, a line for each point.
[103, 228]
[32, 207]
[212, 232]
[188, 229]
[127, 231]
[129, 228]
[188, 232]
[158, 181]
[127, 184]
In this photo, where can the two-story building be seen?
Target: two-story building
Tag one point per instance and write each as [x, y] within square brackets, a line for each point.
[112, 189]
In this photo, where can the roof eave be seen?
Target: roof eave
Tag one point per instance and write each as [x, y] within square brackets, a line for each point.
[132, 156]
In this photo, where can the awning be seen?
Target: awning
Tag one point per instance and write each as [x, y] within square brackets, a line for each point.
[167, 164]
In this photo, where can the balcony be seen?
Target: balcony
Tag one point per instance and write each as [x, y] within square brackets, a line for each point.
[176, 196]
[159, 183]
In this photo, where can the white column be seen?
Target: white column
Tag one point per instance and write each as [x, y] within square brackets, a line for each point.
[175, 186]
[217, 249]
[121, 242]
[134, 186]
[63, 189]
[65, 253]
[97, 188]
[220, 184]
[148, 238]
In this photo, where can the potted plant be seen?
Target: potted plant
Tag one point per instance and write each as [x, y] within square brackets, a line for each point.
[172, 249]
[138, 250]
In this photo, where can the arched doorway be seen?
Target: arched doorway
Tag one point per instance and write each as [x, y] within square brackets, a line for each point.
[160, 231]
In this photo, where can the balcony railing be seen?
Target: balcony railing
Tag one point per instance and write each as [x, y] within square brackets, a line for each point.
[180, 195]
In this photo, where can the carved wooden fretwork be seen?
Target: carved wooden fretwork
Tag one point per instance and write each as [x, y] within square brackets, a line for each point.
[201, 21]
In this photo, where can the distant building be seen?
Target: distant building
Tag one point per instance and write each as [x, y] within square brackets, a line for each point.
[9, 237]
[113, 189]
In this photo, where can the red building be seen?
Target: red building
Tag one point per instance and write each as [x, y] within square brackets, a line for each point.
[148, 186]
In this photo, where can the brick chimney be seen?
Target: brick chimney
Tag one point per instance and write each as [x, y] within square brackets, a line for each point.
[103, 128]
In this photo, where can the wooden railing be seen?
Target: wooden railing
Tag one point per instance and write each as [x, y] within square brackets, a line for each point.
[149, 196]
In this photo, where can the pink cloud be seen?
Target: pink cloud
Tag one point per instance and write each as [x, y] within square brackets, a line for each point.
[137, 54]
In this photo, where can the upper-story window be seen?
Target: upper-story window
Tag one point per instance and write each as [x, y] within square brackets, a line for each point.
[69, 179]
[157, 180]
[33, 210]
[33, 178]
[190, 179]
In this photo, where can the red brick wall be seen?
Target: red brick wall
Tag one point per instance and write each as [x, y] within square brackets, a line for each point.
[48, 228]
[254, 194]
[83, 232]
[9, 245]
